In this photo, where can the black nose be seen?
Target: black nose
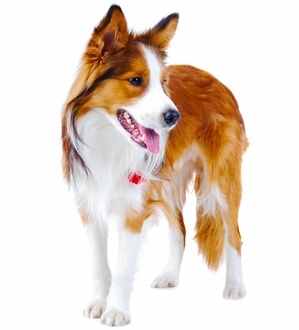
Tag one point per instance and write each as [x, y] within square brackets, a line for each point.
[171, 116]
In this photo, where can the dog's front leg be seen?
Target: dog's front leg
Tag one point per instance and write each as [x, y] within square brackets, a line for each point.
[97, 236]
[117, 311]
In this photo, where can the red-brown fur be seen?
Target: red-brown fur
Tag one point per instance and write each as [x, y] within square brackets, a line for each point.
[210, 120]
[210, 123]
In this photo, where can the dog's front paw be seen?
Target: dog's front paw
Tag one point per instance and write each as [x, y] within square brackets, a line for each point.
[234, 291]
[94, 309]
[115, 318]
[166, 280]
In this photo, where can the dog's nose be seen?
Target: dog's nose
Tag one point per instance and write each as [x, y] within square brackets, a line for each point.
[171, 116]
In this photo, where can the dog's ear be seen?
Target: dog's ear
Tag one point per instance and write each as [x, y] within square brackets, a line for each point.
[161, 34]
[109, 36]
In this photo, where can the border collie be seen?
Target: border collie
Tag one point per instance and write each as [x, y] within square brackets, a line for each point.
[135, 134]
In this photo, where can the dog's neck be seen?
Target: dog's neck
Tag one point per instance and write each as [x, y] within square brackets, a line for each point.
[107, 153]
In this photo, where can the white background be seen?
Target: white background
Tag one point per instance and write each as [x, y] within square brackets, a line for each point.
[252, 46]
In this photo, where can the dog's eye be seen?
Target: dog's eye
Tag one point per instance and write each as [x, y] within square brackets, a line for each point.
[136, 81]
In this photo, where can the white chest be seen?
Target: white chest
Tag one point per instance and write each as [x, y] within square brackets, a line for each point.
[109, 157]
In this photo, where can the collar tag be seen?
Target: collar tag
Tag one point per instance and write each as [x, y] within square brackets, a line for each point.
[136, 177]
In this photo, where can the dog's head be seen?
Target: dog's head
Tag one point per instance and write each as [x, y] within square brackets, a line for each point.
[122, 75]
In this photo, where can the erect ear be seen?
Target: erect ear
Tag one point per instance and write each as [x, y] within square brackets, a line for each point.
[161, 34]
[109, 36]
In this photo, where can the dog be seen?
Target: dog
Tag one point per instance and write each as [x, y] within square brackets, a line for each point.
[135, 132]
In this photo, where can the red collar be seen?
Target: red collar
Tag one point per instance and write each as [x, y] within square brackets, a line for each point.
[136, 177]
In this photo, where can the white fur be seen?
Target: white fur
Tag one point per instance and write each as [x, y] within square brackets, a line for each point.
[117, 309]
[212, 200]
[97, 236]
[170, 275]
[148, 109]
[115, 318]
[109, 157]
[234, 286]
[106, 194]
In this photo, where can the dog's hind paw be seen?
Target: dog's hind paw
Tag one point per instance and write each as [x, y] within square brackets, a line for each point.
[234, 291]
[166, 280]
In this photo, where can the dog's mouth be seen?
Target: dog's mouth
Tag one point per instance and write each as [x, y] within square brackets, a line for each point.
[143, 136]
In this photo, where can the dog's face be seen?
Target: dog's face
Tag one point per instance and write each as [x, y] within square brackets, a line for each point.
[122, 75]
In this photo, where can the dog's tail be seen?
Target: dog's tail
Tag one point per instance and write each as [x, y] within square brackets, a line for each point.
[209, 225]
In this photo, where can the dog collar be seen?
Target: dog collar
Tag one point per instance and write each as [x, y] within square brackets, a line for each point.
[136, 177]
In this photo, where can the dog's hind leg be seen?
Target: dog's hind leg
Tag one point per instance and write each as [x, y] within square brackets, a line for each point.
[234, 286]
[231, 186]
[170, 274]
[217, 231]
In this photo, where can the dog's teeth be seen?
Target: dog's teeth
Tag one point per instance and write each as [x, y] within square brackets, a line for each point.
[131, 127]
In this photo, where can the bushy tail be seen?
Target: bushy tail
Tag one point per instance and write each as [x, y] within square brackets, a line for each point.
[210, 238]
[209, 230]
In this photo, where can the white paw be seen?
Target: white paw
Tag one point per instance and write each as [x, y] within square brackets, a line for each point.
[234, 291]
[166, 280]
[95, 309]
[115, 318]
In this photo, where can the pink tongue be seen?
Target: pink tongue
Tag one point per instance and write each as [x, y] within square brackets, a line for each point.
[151, 139]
